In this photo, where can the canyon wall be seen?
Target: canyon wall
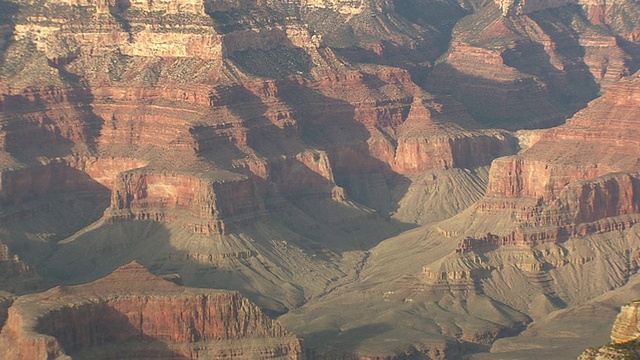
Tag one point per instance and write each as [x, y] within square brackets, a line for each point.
[214, 201]
[542, 67]
[130, 306]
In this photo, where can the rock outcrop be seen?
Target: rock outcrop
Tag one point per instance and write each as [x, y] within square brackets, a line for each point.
[214, 200]
[624, 337]
[15, 275]
[132, 313]
[114, 112]
[626, 328]
[555, 207]
[271, 146]
[534, 63]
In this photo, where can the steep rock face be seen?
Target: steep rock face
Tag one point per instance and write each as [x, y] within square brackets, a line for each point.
[555, 57]
[214, 200]
[553, 208]
[570, 183]
[625, 328]
[29, 183]
[130, 306]
[127, 90]
[243, 125]
[563, 154]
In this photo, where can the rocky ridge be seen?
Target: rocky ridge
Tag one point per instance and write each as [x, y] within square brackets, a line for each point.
[554, 192]
[282, 149]
[132, 309]
[534, 232]
[575, 57]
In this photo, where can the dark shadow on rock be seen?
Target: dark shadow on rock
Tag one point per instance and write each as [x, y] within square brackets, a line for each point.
[633, 49]
[5, 303]
[577, 85]
[81, 99]
[227, 20]
[8, 11]
[330, 124]
[278, 62]
[44, 138]
[520, 104]
[545, 99]
[99, 331]
[411, 37]
[297, 185]
[50, 137]
[34, 219]
[101, 249]
[118, 13]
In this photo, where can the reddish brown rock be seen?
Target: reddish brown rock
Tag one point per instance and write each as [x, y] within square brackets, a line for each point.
[601, 139]
[214, 200]
[524, 70]
[141, 315]
[573, 178]
[578, 181]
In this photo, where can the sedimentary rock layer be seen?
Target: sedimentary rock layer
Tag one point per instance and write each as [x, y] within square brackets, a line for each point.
[134, 310]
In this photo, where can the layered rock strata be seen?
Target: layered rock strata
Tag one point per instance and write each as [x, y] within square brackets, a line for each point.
[207, 199]
[569, 187]
[132, 313]
[108, 105]
[556, 57]
[625, 328]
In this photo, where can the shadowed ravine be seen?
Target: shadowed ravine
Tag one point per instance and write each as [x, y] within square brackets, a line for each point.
[318, 179]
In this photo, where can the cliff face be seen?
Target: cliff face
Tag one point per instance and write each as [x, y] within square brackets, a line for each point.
[625, 328]
[563, 155]
[214, 201]
[543, 60]
[271, 146]
[138, 312]
[548, 210]
[624, 337]
[128, 91]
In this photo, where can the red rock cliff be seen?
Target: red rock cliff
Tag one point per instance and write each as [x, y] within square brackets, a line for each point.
[134, 309]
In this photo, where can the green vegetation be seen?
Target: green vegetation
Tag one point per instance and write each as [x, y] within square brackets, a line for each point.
[472, 27]
[236, 20]
[275, 63]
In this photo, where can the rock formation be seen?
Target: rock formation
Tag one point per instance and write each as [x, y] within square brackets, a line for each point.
[625, 328]
[15, 275]
[624, 337]
[334, 154]
[570, 184]
[132, 313]
[549, 215]
[543, 61]
[98, 94]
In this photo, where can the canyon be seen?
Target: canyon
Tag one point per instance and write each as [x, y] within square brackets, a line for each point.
[386, 179]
